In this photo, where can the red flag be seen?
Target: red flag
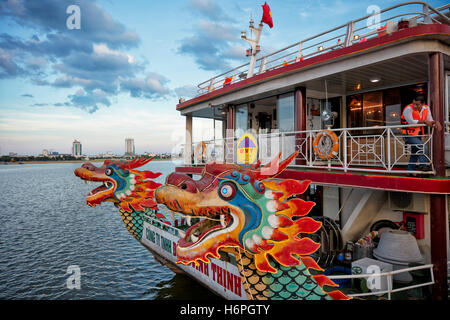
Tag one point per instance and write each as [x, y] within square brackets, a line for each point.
[267, 15]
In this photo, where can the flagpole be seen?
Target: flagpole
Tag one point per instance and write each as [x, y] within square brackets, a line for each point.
[254, 46]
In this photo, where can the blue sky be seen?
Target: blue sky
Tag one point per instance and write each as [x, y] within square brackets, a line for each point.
[120, 74]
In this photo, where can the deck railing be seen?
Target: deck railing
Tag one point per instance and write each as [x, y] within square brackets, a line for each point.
[355, 31]
[387, 278]
[367, 149]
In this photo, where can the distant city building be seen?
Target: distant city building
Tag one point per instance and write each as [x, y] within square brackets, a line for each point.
[108, 154]
[45, 153]
[13, 154]
[129, 147]
[76, 149]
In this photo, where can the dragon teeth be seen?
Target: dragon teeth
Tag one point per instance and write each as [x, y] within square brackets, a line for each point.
[257, 239]
[194, 238]
[267, 232]
[222, 220]
[188, 220]
[273, 221]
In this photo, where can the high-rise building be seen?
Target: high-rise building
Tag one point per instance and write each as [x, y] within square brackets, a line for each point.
[129, 147]
[76, 149]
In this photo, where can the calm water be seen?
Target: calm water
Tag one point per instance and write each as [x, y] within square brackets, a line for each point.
[46, 226]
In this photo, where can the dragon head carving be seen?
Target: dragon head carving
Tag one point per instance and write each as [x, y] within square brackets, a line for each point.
[245, 208]
[240, 207]
[129, 189]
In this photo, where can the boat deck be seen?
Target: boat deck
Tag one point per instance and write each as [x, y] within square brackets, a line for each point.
[379, 181]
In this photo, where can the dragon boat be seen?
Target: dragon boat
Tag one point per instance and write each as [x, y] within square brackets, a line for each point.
[308, 186]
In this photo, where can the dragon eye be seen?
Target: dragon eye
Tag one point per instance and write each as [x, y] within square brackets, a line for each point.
[108, 172]
[227, 191]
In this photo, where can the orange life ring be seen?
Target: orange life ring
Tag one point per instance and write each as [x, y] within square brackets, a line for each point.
[200, 155]
[333, 150]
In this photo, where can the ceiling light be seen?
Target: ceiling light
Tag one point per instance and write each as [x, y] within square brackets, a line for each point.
[355, 37]
[375, 79]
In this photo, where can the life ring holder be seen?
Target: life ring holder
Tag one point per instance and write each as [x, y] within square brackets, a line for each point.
[334, 149]
[200, 155]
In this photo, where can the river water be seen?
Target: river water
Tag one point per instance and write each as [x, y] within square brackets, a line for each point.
[46, 227]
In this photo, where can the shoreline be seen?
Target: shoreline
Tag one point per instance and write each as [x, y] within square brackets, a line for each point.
[63, 161]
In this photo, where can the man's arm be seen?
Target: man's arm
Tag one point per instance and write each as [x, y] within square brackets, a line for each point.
[407, 113]
[430, 122]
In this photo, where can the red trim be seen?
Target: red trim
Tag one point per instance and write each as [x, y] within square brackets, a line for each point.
[424, 30]
[378, 182]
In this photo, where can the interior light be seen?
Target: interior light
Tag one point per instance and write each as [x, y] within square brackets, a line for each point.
[355, 37]
[320, 48]
[375, 79]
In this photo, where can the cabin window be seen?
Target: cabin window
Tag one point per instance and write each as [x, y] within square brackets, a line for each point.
[354, 111]
[286, 113]
[380, 108]
[241, 118]
[372, 110]
[393, 108]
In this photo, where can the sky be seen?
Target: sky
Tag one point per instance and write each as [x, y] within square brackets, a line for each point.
[121, 73]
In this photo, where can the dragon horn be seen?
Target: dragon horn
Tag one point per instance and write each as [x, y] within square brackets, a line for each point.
[273, 168]
[138, 162]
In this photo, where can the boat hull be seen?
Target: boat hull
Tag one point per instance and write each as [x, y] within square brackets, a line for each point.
[221, 277]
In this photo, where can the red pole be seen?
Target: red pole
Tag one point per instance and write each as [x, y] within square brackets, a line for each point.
[438, 219]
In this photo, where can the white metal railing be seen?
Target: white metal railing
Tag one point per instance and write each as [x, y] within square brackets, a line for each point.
[160, 224]
[367, 149]
[388, 275]
[355, 31]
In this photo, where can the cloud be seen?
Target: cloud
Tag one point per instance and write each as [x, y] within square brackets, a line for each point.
[94, 59]
[153, 86]
[209, 9]
[214, 42]
[88, 101]
[8, 68]
[27, 95]
[50, 16]
[187, 91]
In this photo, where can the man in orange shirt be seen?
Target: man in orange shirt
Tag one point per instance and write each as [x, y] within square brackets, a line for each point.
[417, 113]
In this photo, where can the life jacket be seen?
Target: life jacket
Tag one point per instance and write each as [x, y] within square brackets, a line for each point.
[414, 131]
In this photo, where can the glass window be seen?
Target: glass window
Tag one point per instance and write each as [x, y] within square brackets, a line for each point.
[373, 109]
[381, 108]
[392, 107]
[241, 117]
[286, 113]
[354, 111]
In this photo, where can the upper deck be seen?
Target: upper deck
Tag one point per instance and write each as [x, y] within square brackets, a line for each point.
[361, 73]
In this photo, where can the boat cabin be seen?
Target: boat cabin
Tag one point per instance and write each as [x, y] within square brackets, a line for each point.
[337, 99]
